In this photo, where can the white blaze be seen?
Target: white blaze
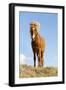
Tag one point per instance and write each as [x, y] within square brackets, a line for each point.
[33, 36]
[33, 28]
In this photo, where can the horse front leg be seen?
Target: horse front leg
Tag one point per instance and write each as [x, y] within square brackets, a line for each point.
[42, 58]
[39, 59]
[34, 60]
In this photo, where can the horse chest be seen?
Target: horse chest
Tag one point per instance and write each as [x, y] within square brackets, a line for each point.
[35, 46]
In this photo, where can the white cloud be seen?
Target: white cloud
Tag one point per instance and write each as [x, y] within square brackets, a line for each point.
[26, 60]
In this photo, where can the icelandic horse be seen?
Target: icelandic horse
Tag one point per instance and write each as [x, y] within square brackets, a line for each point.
[37, 43]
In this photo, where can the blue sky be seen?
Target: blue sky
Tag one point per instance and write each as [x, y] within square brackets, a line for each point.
[48, 30]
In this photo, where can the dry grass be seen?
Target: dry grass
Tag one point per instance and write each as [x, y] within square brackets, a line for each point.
[29, 71]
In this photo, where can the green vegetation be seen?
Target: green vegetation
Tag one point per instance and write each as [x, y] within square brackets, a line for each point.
[29, 71]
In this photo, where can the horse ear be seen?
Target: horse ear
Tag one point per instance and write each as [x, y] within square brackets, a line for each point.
[37, 24]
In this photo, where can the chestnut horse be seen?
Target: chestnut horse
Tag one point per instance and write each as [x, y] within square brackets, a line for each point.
[37, 43]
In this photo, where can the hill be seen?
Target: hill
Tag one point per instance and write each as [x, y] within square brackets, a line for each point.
[29, 71]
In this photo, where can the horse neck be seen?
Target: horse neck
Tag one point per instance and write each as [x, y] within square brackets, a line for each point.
[37, 35]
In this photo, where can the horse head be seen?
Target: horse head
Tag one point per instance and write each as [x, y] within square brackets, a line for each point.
[34, 27]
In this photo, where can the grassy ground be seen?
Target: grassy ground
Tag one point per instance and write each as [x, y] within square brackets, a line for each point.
[29, 71]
